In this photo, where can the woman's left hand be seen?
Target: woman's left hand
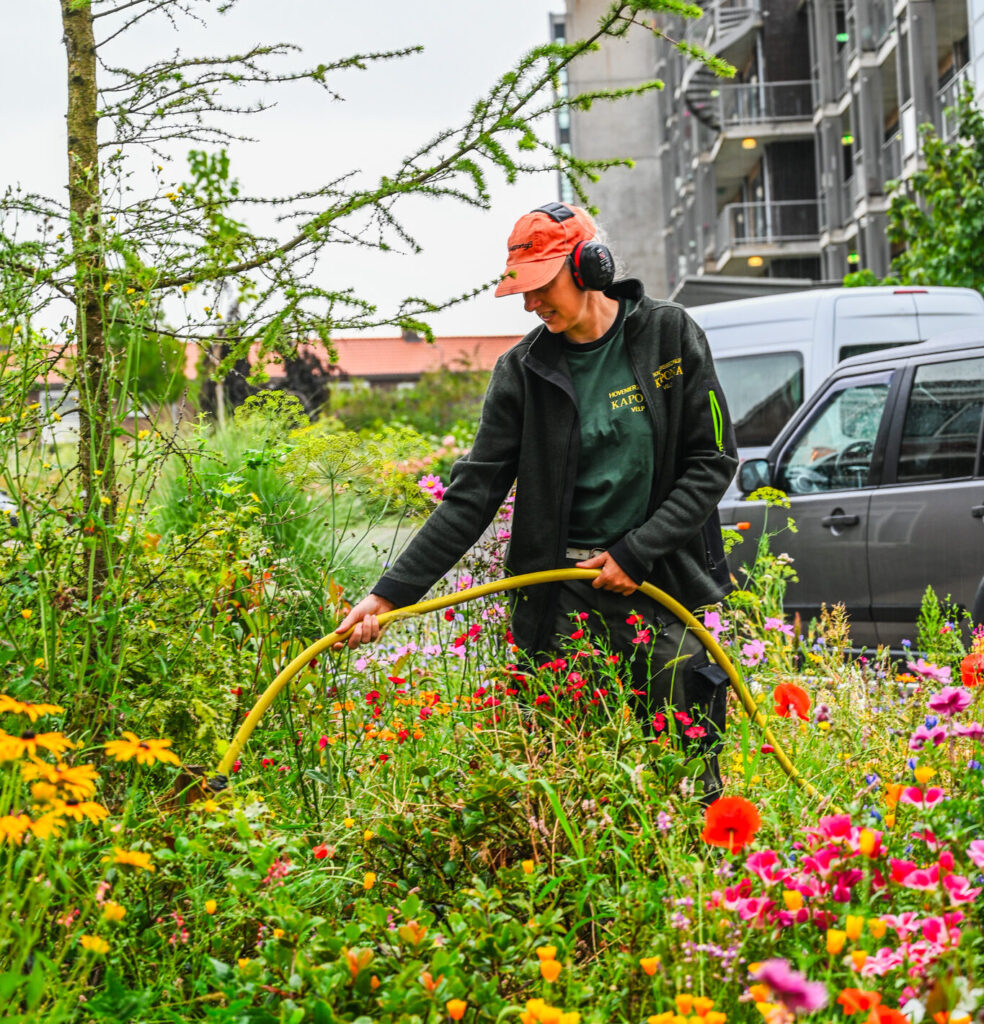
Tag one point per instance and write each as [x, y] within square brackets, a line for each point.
[612, 577]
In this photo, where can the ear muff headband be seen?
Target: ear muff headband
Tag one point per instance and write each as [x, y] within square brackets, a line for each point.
[592, 264]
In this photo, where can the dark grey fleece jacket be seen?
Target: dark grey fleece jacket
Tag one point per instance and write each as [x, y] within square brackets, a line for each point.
[528, 433]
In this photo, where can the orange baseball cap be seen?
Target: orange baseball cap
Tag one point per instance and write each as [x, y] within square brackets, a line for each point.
[540, 243]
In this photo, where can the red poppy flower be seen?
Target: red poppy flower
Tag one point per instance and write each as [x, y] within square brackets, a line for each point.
[449, 615]
[577, 634]
[542, 699]
[972, 670]
[857, 1000]
[634, 620]
[791, 698]
[320, 851]
[731, 821]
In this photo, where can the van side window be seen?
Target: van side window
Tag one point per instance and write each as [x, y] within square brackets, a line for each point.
[834, 451]
[763, 391]
[942, 421]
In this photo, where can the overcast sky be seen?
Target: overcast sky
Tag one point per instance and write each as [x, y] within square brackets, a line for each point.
[387, 110]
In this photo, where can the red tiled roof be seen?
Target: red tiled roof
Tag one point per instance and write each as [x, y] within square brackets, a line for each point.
[382, 358]
[391, 357]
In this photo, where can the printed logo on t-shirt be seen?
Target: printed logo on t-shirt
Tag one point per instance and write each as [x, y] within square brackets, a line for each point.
[665, 376]
[630, 398]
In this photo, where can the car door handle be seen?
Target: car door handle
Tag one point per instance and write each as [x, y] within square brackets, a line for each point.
[839, 519]
[977, 511]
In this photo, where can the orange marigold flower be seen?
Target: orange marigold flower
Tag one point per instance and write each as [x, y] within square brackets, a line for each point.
[731, 821]
[20, 707]
[145, 751]
[791, 699]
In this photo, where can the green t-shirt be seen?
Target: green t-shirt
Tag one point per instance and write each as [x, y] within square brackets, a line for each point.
[615, 466]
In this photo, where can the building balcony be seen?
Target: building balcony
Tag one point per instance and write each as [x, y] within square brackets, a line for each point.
[749, 235]
[948, 97]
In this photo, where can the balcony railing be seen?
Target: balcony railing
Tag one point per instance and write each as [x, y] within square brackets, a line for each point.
[948, 97]
[765, 101]
[795, 220]
[892, 157]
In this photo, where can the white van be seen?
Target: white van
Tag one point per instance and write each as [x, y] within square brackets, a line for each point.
[771, 352]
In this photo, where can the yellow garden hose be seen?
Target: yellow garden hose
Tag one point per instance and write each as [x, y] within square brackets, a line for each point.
[513, 583]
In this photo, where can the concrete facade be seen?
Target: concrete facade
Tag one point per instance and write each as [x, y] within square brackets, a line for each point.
[977, 48]
[629, 199]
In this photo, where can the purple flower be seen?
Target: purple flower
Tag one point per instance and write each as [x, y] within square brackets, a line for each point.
[925, 670]
[664, 821]
[950, 700]
[791, 988]
[821, 713]
[753, 652]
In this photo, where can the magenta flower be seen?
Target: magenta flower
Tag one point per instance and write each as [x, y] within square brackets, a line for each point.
[790, 987]
[922, 798]
[973, 730]
[921, 736]
[960, 890]
[950, 700]
[925, 670]
[753, 652]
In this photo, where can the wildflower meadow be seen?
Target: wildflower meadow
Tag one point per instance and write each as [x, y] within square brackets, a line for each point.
[431, 828]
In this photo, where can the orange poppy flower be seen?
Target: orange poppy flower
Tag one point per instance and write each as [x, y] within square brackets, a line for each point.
[791, 698]
[972, 670]
[731, 821]
[857, 1000]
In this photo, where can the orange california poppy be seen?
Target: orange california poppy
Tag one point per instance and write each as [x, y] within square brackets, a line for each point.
[791, 698]
[731, 821]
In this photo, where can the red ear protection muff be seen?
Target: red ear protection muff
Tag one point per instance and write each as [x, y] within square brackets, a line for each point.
[592, 265]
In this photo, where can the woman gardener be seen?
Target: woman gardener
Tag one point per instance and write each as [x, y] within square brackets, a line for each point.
[609, 418]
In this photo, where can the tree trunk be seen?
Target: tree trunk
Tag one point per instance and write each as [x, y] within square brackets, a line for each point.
[94, 374]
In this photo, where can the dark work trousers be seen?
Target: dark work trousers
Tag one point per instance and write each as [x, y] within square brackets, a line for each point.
[672, 669]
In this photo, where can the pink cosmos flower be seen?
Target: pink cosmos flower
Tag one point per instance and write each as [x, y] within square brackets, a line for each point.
[972, 730]
[790, 987]
[753, 652]
[950, 700]
[925, 670]
[783, 627]
[921, 736]
[922, 798]
[714, 624]
[975, 851]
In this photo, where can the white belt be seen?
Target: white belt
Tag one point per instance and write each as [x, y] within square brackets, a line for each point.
[583, 554]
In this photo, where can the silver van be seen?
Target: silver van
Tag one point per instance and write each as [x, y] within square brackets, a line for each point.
[772, 351]
[884, 471]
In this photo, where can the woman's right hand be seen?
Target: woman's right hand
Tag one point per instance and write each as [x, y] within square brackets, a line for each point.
[364, 621]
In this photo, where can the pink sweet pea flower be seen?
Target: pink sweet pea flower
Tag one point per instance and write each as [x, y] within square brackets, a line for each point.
[950, 700]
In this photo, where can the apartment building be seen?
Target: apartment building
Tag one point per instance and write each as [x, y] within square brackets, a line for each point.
[779, 173]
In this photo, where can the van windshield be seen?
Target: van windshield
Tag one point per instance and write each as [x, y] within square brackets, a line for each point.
[763, 391]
